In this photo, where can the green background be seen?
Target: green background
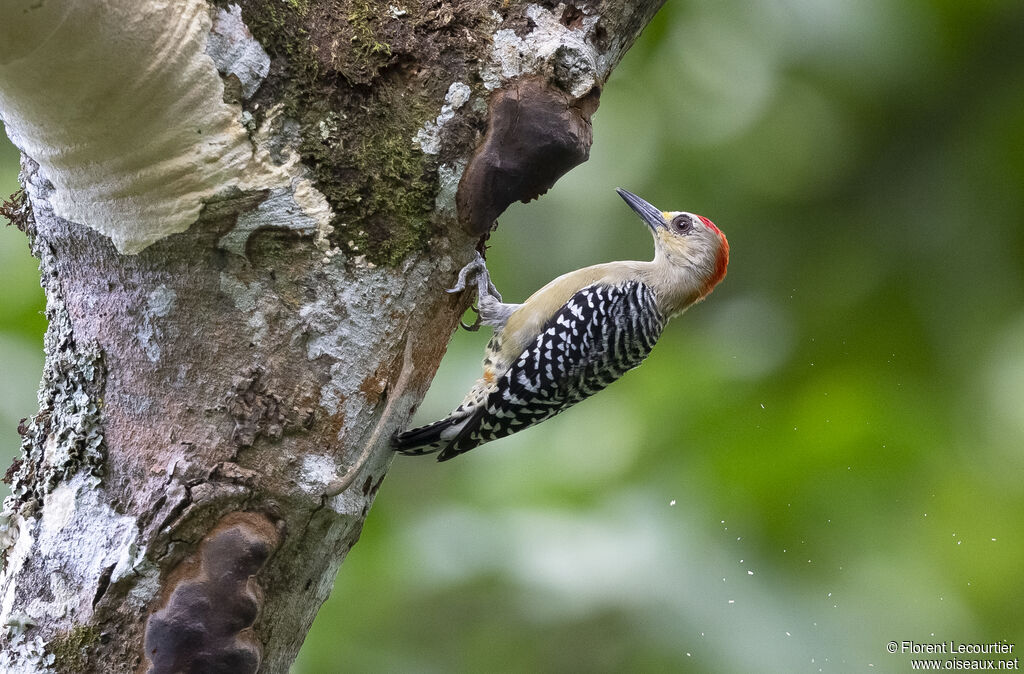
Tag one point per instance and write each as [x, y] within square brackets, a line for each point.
[825, 456]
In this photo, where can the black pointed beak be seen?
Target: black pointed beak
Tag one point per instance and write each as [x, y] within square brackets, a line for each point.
[649, 214]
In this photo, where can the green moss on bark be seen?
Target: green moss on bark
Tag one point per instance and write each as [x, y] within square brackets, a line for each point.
[382, 187]
[365, 45]
[71, 649]
[342, 71]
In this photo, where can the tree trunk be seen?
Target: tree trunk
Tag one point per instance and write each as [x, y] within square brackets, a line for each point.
[245, 216]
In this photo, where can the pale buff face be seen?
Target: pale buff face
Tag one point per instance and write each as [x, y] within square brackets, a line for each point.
[691, 253]
[685, 240]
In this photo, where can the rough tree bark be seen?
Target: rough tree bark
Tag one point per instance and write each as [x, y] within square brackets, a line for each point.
[245, 215]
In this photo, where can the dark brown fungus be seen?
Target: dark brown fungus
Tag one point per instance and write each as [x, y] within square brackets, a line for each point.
[536, 133]
[211, 600]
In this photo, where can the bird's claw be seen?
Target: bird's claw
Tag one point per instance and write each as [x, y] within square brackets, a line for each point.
[475, 325]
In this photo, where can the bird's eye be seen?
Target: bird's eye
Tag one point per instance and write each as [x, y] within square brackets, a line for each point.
[681, 224]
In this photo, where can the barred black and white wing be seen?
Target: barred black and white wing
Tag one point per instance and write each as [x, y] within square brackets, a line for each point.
[597, 336]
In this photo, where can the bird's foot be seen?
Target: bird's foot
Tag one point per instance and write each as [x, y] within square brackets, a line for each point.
[489, 308]
[477, 268]
[487, 294]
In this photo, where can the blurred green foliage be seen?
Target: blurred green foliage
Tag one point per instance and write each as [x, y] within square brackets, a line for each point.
[824, 457]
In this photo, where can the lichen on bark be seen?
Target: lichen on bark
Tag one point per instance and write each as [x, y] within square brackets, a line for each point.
[66, 435]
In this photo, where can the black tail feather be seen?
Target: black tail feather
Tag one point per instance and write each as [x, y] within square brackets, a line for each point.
[423, 439]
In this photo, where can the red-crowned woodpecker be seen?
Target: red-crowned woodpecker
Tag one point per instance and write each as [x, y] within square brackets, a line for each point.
[577, 334]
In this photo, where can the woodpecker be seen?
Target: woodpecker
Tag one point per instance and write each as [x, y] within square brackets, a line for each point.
[577, 334]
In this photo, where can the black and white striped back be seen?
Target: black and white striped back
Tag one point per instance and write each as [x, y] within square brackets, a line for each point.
[597, 336]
